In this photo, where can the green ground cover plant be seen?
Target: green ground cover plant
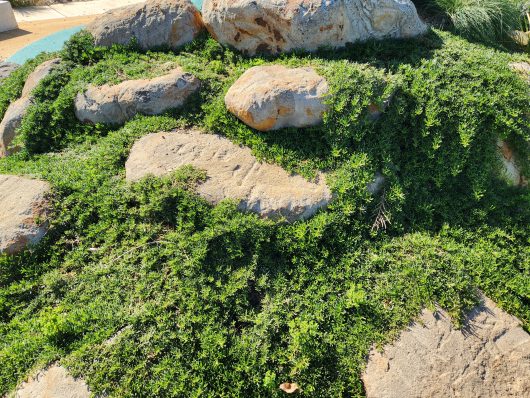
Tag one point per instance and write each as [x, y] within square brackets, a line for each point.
[145, 290]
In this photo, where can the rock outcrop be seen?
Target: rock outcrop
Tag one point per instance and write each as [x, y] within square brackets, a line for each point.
[39, 74]
[117, 104]
[17, 110]
[54, 382]
[489, 357]
[23, 209]
[263, 26]
[273, 97]
[232, 172]
[152, 24]
[6, 68]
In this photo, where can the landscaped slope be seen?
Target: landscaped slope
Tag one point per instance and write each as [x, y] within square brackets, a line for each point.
[145, 289]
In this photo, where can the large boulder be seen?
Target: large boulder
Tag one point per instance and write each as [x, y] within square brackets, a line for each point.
[40, 72]
[54, 382]
[488, 357]
[11, 122]
[232, 173]
[119, 103]
[23, 209]
[273, 97]
[264, 26]
[152, 24]
[17, 110]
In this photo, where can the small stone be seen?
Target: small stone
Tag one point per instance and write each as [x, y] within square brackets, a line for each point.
[152, 24]
[40, 72]
[54, 382]
[273, 97]
[119, 103]
[289, 388]
[489, 357]
[232, 173]
[264, 26]
[23, 210]
[6, 68]
[512, 171]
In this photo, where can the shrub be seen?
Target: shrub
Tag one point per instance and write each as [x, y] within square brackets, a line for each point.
[489, 21]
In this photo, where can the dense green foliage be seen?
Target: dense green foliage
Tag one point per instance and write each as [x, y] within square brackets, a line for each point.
[208, 301]
[487, 21]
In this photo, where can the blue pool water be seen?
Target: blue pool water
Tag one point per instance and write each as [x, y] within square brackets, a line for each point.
[49, 43]
[54, 42]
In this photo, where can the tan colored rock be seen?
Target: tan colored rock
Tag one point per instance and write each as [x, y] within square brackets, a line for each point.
[17, 110]
[512, 170]
[11, 122]
[54, 382]
[232, 173]
[153, 24]
[23, 210]
[119, 103]
[489, 357]
[523, 68]
[273, 97]
[38, 74]
[264, 26]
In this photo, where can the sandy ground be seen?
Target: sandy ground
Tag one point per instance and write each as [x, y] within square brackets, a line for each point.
[28, 32]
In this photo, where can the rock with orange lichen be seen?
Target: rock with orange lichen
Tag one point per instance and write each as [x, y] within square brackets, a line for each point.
[274, 97]
[263, 26]
[152, 24]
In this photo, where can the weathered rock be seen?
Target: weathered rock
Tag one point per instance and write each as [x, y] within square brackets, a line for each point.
[11, 122]
[6, 68]
[23, 209]
[119, 103]
[54, 382]
[255, 26]
[38, 74]
[17, 110]
[489, 357]
[512, 170]
[523, 68]
[232, 172]
[152, 24]
[272, 97]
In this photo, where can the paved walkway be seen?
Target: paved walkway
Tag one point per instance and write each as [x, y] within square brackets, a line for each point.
[69, 10]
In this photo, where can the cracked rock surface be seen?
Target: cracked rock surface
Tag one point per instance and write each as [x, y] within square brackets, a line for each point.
[232, 172]
[54, 382]
[489, 357]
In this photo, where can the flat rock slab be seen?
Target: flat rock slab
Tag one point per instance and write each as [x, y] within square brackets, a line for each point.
[489, 357]
[152, 24]
[54, 382]
[232, 172]
[23, 209]
[264, 26]
[119, 103]
[274, 96]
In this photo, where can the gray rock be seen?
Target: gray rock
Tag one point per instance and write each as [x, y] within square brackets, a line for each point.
[23, 209]
[511, 166]
[489, 357]
[155, 23]
[119, 103]
[11, 122]
[54, 382]
[40, 72]
[255, 26]
[273, 97]
[6, 68]
[232, 172]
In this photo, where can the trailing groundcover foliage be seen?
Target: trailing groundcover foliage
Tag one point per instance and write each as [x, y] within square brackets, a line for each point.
[145, 290]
